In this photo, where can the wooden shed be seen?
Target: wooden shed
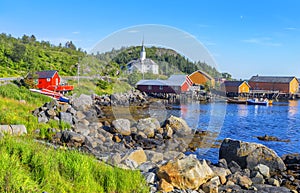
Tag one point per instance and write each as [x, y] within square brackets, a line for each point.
[236, 88]
[201, 78]
[175, 84]
[283, 84]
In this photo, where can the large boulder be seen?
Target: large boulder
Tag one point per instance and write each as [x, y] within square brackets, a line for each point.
[148, 126]
[122, 126]
[249, 155]
[178, 125]
[18, 129]
[83, 102]
[5, 129]
[186, 173]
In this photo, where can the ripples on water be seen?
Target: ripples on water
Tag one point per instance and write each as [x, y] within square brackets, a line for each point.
[246, 122]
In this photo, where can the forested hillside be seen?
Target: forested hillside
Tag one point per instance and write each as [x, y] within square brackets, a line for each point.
[20, 55]
[169, 61]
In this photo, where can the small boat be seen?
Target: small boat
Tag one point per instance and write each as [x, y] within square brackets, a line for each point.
[255, 101]
[52, 94]
[236, 101]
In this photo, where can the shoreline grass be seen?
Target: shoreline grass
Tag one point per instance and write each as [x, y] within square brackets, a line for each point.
[27, 166]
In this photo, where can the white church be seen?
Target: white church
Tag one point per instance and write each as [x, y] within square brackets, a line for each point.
[143, 64]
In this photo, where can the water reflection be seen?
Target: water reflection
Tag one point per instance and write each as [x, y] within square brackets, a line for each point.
[293, 108]
[242, 110]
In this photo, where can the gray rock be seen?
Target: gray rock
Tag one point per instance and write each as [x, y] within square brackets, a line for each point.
[263, 169]
[234, 167]
[71, 137]
[18, 129]
[249, 155]
[130, 163]
[154, 156]
[82, 129]
[265, 188]
[90, 142]
[147, 167]
[178, 125]
[148, 126]
[115, 159]
[122, 126]
[42, 117]
[257, 178]
[66, 117]
[212, 185]
[80, 115]
[51, 113]
[5, 129]
[150, 177]
[83, 102]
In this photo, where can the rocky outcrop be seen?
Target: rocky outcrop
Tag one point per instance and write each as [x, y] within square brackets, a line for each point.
[249, 155]
[158, 151]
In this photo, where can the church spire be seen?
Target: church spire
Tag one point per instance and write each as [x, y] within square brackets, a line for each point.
[143, 51]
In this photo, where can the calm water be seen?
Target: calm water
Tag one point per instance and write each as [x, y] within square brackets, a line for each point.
[246, 122]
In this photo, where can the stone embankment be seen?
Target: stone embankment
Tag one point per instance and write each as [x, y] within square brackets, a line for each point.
[157, 150]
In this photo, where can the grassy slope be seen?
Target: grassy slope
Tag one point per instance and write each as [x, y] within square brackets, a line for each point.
[27, 166]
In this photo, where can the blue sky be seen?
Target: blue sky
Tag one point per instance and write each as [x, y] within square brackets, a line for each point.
[244, 37]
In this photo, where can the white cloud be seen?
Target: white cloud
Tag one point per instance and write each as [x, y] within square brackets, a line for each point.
[133, 31]
[75, 32]
[264, 41]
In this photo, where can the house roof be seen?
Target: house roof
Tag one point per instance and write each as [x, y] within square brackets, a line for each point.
[273, 79]
[204, 73]
[174, 80]
[234, 83]
[46, 73]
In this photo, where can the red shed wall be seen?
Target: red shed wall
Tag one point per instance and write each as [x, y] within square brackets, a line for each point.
[281, 87]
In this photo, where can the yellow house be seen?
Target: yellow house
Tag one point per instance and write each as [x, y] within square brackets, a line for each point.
[201, 78]
[236, 87]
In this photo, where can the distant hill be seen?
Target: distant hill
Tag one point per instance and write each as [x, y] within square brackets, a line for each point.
[169, 61]
[18, 56]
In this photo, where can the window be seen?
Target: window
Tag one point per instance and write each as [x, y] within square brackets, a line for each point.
[48, 79]
[161, 87]
[149, 87]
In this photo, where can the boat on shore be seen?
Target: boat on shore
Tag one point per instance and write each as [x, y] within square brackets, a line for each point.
[52, 94]
[236, 101]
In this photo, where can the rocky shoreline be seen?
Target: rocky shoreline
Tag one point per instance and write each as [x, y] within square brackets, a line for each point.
[157, 149]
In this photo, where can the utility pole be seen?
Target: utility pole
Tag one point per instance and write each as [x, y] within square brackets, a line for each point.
[78, 67]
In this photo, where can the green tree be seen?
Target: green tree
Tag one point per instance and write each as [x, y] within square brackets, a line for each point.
[134, 77]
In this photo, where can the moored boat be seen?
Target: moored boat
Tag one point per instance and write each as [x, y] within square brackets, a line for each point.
[255, 101]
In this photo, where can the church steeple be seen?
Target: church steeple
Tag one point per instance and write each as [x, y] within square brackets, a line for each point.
[143, 52]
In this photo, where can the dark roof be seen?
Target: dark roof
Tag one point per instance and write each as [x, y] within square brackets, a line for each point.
[46, 73]
[274, 79]
[233, 83]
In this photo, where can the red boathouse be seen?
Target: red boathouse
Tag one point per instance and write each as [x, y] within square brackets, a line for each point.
[176, 84]
[49, 79]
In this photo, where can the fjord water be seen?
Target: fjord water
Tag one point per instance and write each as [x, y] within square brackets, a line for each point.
[246, 122]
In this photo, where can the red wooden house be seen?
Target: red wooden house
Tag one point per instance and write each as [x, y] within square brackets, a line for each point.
[49, 79]
[175, 84]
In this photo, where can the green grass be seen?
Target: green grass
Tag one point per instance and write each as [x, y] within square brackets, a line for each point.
[90, 87]
[27, 166]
